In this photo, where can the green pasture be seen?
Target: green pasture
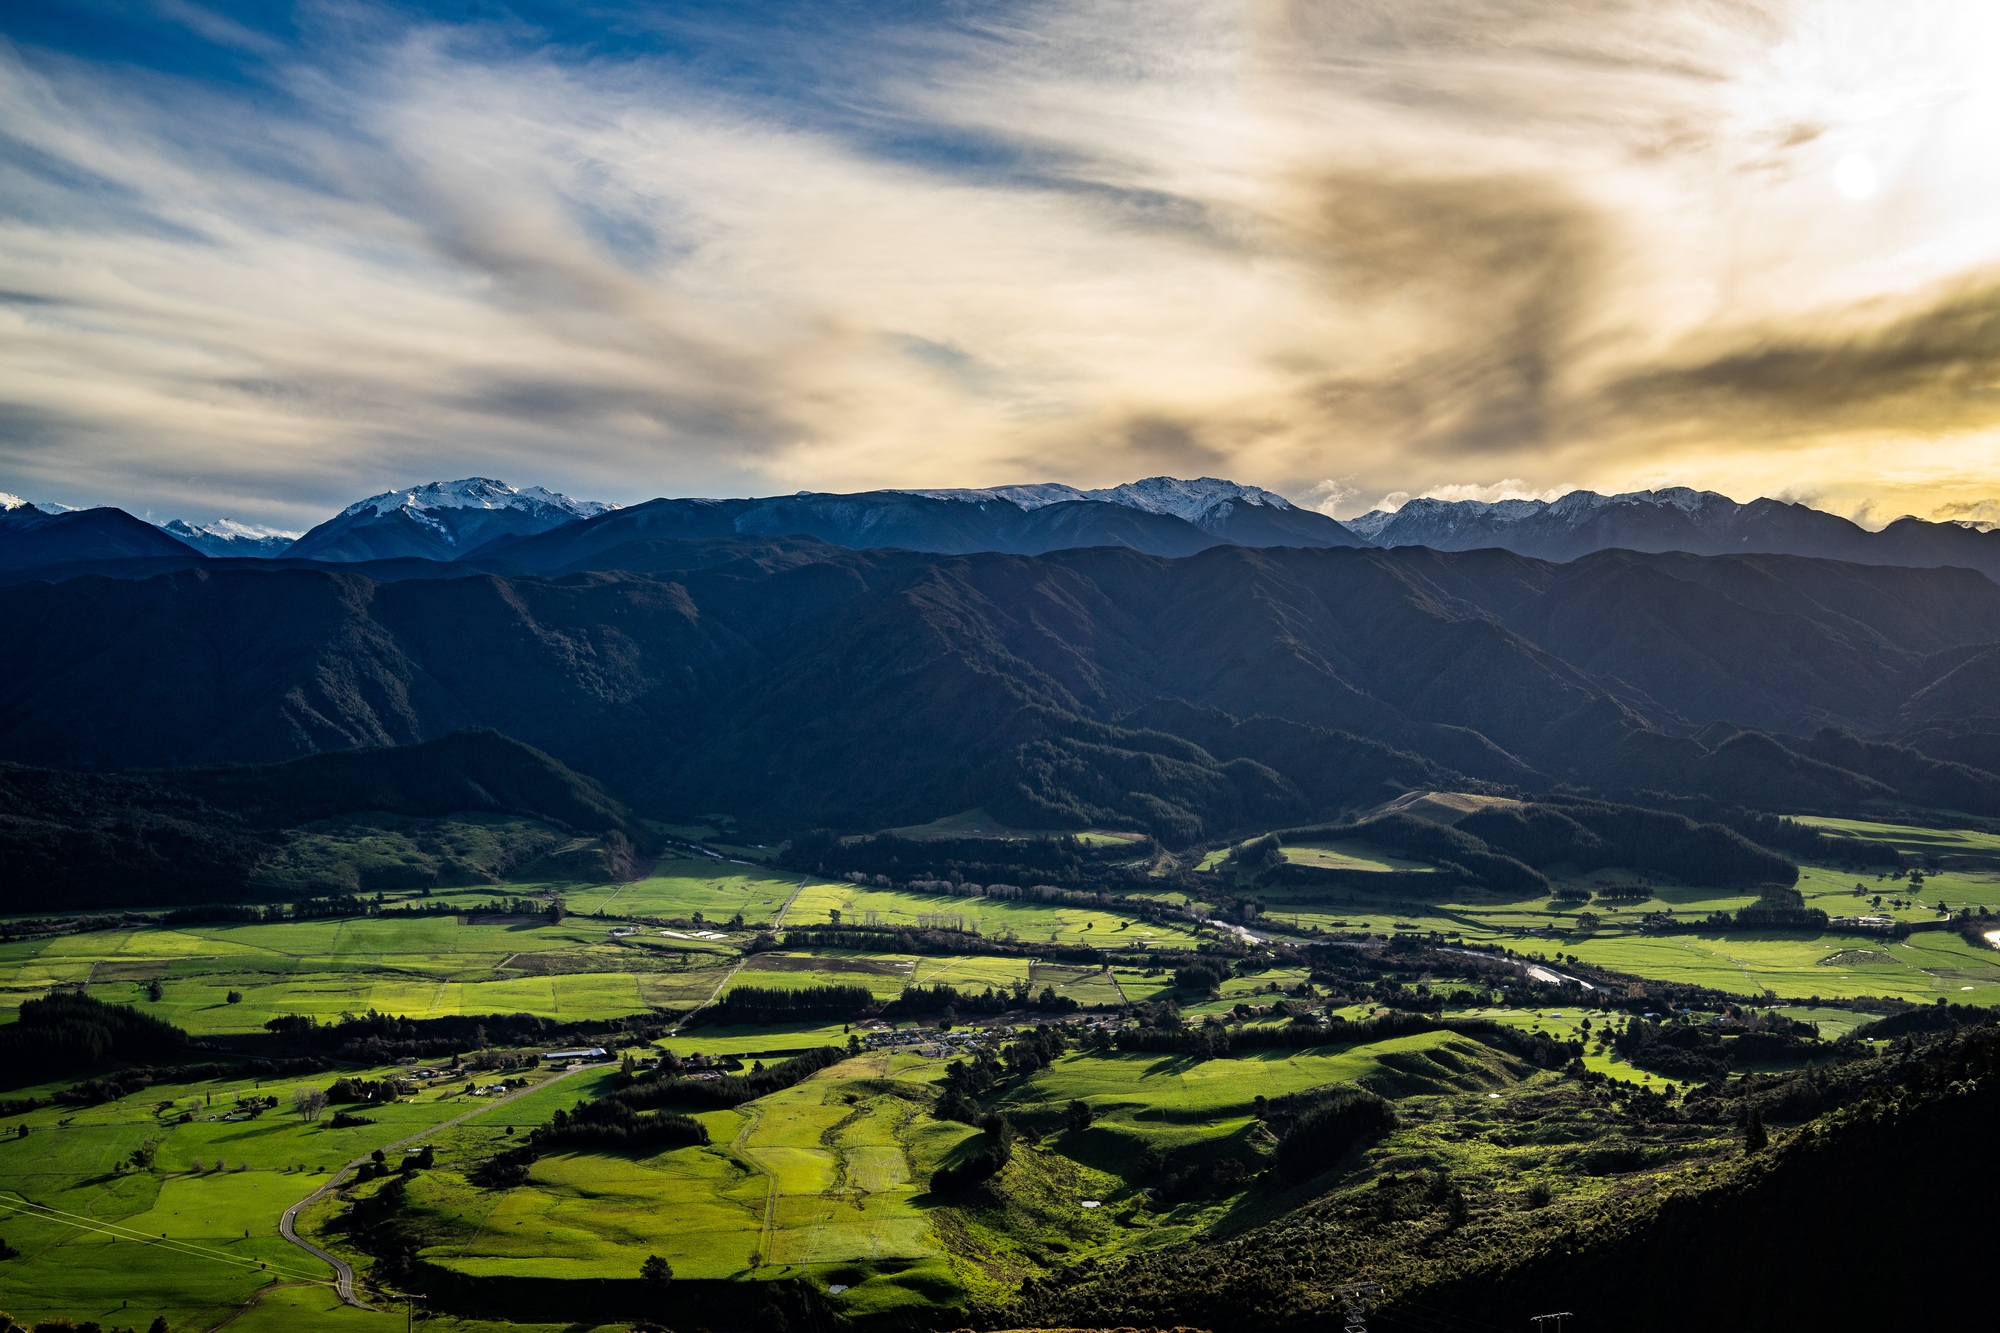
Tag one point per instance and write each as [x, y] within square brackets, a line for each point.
[1832, 891]
[195, 1237]
[421, 967]
[759, 1040]
[1973, 844]
[970, 973]
[1927, 966]
[1137, 987]
[1178, 1099]
[717, 890]
[1086, 985]
[1254, 989]
[821, 1175]
[1349, 854]
[996, 918]
[884, 975]
[977, 823]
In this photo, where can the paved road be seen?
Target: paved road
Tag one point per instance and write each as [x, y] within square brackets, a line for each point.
[343, 1272]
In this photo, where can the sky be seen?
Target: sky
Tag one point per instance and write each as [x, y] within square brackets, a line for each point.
[260, 260]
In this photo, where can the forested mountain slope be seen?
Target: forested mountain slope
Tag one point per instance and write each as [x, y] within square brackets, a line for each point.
[799, 682]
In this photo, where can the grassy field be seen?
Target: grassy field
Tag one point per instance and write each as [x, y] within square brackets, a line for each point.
[994, 917]
[1176, 1099]
[978, 823]
[196, 1236]
[684, 888]
[825, 1178]
[1348, 855]
[1972, 844]
[416, 965]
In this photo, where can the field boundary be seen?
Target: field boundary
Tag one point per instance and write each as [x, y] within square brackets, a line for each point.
[741, 959]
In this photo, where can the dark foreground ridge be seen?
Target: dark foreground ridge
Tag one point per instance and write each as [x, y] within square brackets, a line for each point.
[801, 684]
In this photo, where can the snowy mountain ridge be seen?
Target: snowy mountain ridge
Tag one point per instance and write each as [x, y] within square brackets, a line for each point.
[1423, 521]
[440, 520]
[1189, 500]
[475, 493]
[227, 537]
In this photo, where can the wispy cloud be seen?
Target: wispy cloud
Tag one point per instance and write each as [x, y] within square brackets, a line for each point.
[743, 248]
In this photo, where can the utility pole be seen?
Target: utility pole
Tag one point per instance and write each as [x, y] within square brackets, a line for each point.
[1560, 1319]
[1354, 1299]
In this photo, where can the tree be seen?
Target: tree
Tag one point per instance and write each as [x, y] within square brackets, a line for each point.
[234, 997]
[1078, 1115]
[143, 1155]
[159, 1325]
[155, 991]
[1754, 1137]
[309, 1102]
[656, 1270]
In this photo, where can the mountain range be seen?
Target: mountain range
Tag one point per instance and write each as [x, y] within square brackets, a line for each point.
[486, 524]
[439, 521]
[796, 682]
[1674, 519]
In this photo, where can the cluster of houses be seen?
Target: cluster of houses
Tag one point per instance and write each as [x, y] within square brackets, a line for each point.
[938, 1044]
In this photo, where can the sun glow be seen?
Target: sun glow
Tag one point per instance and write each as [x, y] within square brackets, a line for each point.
[1855, 176]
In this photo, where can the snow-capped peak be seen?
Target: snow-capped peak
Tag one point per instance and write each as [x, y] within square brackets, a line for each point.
[227, 529]
[1187, 499]
[1155, 495]
[476, 493]
[12, 501]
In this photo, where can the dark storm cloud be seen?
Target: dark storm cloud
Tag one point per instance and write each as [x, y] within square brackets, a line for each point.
[1933, 368]
[1497, 276]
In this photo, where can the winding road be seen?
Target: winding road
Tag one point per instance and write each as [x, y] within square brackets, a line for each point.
[343, 1272]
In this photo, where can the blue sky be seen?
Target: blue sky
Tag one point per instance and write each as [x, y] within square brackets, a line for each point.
[260, 260]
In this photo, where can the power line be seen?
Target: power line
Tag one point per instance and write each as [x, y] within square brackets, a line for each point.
[1436, 1317]
[97, 1226]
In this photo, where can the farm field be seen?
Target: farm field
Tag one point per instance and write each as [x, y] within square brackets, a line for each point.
[415, 965]
[980, 824]
[87, 1225]
[1348, 855]
[828, 1179]
[1973, 844]
[1924, 967]
[994, 917]
[825, 1177]
[685, 888]
[1175, 1100]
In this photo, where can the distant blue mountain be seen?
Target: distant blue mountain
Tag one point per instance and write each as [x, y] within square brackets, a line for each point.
[1675, 519]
